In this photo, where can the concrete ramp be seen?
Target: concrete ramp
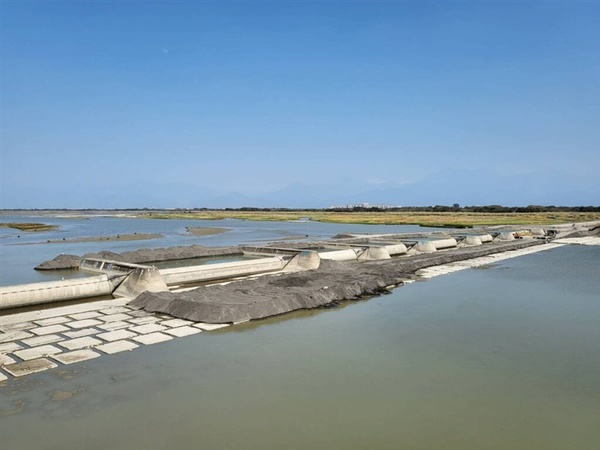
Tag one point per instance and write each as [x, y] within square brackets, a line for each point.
[373, 254]
[141, 279]
[220, 271]
[305, 260]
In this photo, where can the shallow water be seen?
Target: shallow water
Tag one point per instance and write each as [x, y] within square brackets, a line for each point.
[20, 252]
[502, 358]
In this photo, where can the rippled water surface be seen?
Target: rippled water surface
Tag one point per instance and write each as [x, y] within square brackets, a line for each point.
[506, 357]
[21, 251]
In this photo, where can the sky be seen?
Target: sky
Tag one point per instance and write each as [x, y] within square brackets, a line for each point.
[158, 104]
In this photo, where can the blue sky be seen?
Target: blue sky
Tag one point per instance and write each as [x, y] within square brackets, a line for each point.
[250, 97]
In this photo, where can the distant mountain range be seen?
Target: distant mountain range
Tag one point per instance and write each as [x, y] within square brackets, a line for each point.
[465, 187]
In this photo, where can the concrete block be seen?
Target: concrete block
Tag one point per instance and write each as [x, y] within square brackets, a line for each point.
[111, 326]
[115, 310]
[143, 320]
[173, 323]
[84, 323]
[116, 335]
[9, 347]
[152, 338]
[29, 367]
[51, 329]
[82, 342]
[116, 347]
[37, 352]
[14, 335]
[76, 356]
[210, 326]
[3, 377]
[139, 313]
[51, 321]
[17, 326]
[42, 340]
[115, 317]
[85, 315]
[81, 333]
[148, 328]
[183, 331]
[5, 359]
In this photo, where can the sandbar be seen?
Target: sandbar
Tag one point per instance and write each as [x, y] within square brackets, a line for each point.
[117, 237]
[205, 231]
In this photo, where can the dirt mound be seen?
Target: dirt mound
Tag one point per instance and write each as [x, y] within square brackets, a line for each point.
[60, 262]
[142, 256]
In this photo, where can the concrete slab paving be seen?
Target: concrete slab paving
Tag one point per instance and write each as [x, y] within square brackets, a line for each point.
[139, 313]
[116, 335]
[183, 331]
[143, 320]
[10, 336]
[111, 326]
[9, 347]
[17, 326]
[114, 317]
[82, 342]
[29, 367]
[148, 328]
[76, 356]
[37, 352]
[152, 338]
[41, 340]
[210, 326]
[84, 323]
[85, 315]
[10, 319]
[117, 347]
[5, 360]
[51, 321]
[51, 329]
[174, 323]
[81, 333]
[115, 310]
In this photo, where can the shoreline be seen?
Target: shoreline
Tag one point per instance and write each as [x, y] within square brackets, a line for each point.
[449, 219]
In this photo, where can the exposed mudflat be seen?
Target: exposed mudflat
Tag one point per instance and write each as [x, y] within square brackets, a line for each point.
[117, 237]
[271, 295]
[205, 231]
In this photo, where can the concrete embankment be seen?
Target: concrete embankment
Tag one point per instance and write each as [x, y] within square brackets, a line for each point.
[333, 282]
[47, 292]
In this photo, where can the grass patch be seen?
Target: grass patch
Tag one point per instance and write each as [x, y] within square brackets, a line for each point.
[29, 226]
[428, 219]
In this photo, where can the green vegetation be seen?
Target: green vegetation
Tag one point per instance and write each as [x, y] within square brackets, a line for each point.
[455, 219]
[29, 226]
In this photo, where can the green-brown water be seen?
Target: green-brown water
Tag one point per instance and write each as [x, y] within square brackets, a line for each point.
[502, 358]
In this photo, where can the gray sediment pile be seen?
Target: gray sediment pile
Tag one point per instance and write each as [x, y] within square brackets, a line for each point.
[142, 256]
[333, 282]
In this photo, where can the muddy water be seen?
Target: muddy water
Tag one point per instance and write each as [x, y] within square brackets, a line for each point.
[502, 358]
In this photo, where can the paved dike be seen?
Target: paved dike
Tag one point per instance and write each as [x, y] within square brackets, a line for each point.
[313, 275]
[332, 282]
